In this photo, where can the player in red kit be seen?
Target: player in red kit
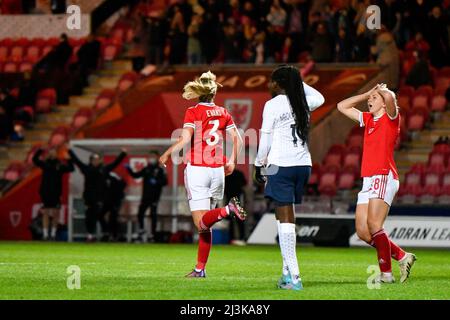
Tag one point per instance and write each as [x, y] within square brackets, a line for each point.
[205, 125]
[380, 178]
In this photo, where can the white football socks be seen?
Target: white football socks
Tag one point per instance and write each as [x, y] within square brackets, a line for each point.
[288, 239]
[285, 266]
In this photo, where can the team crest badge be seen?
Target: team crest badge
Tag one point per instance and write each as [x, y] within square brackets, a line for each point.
[241, 111]
[15, 217]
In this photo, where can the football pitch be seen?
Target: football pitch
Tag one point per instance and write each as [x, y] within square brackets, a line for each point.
[36, 270]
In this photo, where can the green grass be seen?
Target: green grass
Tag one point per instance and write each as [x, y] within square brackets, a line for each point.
[125, 271]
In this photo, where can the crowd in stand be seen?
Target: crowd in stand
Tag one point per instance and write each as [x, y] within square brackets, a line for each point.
[195, 31]
[32, 6]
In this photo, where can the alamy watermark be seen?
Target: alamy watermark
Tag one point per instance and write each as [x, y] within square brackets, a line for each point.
[373, 21]
[74, 279]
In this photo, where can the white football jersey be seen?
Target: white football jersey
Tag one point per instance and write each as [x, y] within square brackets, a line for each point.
[280, 144]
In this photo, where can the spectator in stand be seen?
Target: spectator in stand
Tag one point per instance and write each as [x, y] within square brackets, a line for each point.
[177, 36]
[417, 44]
[58, 6]
[95, 174]
[27, 91]
[6, 126]
[420, 72]
[387, 55]
[88, 57]
[438, 38]
[295, 32]
[8, 103]
[57, 58]
[50, 190]
[344, 47]
[194, 51]
[115, 193]
[447, 97]
[210, 33]
[155, 28]
[232, 44]
[273, 44]
[154, 179]
[234, 187]
[258, 48]
[277, 16]
[322, 44]
[361, 45]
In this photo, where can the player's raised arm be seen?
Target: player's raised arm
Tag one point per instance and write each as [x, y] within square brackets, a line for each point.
[348, 106]
[313, 97]
[390, 101]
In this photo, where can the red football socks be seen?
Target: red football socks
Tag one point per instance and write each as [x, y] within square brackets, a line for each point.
[397, 253]
[213, 216]
[382, 244]
[204, 247]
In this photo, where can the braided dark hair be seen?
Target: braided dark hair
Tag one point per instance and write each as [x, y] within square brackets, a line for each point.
[289, 79]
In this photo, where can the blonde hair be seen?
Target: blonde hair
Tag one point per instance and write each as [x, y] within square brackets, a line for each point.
[204, 86]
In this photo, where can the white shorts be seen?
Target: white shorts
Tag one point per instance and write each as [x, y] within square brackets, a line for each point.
[378, 187]
[204, 186]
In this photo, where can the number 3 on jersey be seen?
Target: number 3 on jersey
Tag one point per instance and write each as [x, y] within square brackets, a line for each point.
[213, 138]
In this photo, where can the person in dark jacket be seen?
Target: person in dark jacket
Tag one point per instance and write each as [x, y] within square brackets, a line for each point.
[234, 187]
[115, 193]
[88, 57]
[50, 190]
[154, 179]
[95, 187]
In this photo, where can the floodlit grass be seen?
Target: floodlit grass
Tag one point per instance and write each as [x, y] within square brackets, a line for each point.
[36, 270]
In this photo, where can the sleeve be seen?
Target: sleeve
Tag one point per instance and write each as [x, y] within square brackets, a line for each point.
[363, 118]
[268, 120]
[36, 159]
[229, 123]
[264, 148]
[135, 175]
[313, 97]
[68, 167]
[189, 119]
[111, 166]
[77, 161]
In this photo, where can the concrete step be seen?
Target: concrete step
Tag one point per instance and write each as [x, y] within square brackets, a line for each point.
[83, 101]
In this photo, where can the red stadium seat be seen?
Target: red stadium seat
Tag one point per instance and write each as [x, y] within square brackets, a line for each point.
[17, 53]
[4, 52]
[431, 179]
[10, 67]
[438, 103]
[437, 158]
[333, 159]
[355, 140]
[441, 83]
[59, 136]
[413, 178]
[420, 101]
[33, 53]
[81, 118]
[110, 52]
[315, 174]
[126, 81]
[418, 168]
[46, 49]
[25, 66]
[46, 100]
[425, 90]
[346, 181]
[352, 159]
[404, 102]
[444, 72]
[104, 99]
[416, 121]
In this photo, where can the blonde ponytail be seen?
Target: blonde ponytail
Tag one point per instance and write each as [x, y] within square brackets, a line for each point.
[204, 86]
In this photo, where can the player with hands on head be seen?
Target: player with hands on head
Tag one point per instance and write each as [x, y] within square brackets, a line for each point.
[380, 178]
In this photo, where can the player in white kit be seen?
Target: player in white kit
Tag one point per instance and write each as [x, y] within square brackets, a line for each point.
[283, 153]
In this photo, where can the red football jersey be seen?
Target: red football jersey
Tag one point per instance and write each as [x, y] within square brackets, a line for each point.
[209, 123]
[380, 137]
